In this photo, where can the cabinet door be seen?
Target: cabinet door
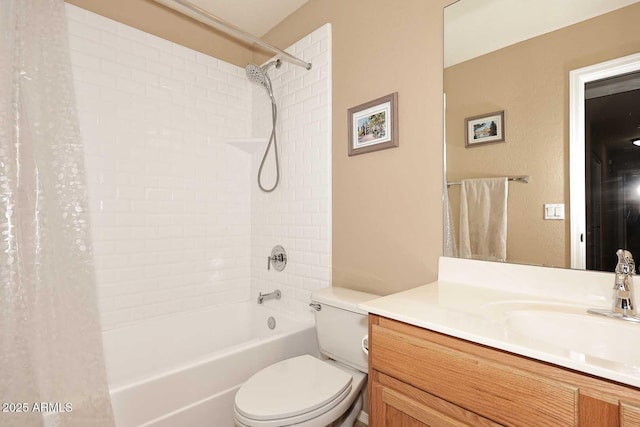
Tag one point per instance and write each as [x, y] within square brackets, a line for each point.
[414, 408]
[629, 415]
[597, 412]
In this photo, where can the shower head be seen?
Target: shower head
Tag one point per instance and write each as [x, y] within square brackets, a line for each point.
[257, 74]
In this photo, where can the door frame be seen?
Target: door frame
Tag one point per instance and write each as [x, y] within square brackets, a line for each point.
[577, 80]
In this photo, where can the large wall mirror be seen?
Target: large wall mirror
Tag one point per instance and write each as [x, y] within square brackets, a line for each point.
[516, 56]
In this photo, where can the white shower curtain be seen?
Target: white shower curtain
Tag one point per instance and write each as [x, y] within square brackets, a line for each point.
[51, 362]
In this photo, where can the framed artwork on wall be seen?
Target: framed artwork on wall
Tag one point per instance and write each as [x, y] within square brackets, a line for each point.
[373, 125]
[484, 129]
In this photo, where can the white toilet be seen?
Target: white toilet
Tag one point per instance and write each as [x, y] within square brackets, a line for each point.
[307, 391]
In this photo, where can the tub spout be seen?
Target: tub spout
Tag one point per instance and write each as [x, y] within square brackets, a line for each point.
[271, 295]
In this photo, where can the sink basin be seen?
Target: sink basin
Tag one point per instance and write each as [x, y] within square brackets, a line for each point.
[570, 328]
[586, 334]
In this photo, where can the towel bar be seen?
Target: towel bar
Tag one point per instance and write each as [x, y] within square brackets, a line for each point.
[524, 179]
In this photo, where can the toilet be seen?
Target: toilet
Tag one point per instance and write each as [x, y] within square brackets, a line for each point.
[309, 391]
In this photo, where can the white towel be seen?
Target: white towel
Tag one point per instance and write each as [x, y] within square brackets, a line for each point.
[483, 219]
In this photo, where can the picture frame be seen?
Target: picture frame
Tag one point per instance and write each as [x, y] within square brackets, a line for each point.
[373, 126]
[484, 129]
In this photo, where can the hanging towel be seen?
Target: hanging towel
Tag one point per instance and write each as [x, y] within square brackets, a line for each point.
[483, 219]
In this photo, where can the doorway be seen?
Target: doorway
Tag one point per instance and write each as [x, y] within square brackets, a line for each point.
[612, 181]
[604, 164]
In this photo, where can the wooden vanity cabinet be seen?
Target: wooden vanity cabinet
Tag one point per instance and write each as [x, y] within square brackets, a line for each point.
[422, 378]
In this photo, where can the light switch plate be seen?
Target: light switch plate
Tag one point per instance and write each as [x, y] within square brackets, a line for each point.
[554, 211]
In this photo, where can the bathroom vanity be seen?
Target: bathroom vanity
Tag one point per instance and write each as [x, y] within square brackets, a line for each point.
[468, 351]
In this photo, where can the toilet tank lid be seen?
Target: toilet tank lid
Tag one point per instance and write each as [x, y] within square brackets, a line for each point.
[346, 299]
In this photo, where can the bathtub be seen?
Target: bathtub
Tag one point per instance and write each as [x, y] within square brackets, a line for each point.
[184, 370]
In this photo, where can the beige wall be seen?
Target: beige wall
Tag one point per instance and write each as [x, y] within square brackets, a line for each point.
[387, 215]
[530, 82]
[156, 19]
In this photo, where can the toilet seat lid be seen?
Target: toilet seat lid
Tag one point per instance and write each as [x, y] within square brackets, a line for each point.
[291, 387]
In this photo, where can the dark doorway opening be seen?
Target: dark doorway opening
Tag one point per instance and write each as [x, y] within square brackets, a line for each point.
[612, 165]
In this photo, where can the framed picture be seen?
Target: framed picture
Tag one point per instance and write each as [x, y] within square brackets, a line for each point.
[373, 125]
[484, 129]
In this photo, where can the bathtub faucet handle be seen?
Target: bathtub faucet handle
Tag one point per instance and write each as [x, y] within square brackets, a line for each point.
[278, 258]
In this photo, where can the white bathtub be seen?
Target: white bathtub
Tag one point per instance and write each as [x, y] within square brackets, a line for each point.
[185, 370]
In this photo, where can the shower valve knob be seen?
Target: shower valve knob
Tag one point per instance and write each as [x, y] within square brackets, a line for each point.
[278, 258]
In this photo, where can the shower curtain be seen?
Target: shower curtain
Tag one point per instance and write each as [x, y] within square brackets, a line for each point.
[450, 246]
[51, 362]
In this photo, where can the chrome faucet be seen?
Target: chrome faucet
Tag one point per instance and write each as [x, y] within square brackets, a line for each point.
[623, 305]
[623, 301]
[271, 295]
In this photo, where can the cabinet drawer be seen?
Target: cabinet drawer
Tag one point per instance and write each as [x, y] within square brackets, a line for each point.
[396, 401]
[511, 396]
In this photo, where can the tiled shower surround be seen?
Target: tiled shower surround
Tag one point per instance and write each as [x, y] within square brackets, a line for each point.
[173, 139]
[297, 214]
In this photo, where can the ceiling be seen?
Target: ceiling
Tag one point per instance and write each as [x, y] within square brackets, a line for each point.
[476, 27]
[256, 17]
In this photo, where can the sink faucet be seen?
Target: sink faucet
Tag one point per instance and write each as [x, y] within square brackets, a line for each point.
[623, 301]
[271, 295]
[623, 306]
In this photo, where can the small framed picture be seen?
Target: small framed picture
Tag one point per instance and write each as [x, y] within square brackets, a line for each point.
[484, 129]
[373, 125]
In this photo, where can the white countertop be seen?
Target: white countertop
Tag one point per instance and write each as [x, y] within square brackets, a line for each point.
[475, 313]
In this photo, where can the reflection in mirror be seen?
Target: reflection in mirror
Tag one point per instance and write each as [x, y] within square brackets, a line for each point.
[496, 61]
[612, 169]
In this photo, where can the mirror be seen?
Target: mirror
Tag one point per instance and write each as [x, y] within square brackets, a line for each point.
[515, 56]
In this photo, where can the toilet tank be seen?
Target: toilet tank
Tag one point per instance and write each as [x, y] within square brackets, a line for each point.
[341, 325]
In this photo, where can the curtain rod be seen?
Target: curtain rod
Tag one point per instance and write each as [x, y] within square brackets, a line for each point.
[196, 12]
[524, 179]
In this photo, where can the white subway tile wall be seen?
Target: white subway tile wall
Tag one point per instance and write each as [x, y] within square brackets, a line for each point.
[173, 206]
[297, 214]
